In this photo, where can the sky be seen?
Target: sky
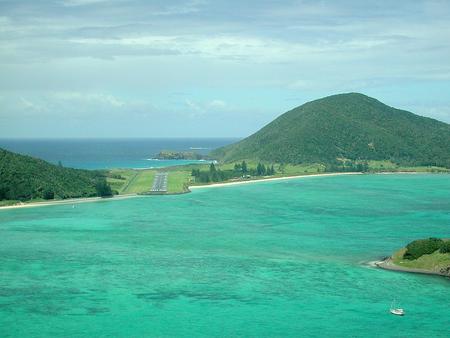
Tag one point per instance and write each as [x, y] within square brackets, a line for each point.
[194, 68]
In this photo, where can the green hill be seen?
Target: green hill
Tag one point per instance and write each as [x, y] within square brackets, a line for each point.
[346, 126]
[24, 178]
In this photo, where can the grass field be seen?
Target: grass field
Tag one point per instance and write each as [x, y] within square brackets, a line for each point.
[141, 182]
[120, 184]
[390, 166]
[133, 181]
[432, 262]
[178, 181]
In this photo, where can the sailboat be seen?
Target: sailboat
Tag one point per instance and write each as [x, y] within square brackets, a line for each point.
[396, 311]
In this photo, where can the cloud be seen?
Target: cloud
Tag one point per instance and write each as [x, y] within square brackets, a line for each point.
[103, 58]
[217, 104]
[74, 3]
[98, 98]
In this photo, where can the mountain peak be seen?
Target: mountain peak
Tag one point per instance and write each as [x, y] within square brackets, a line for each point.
[349, 125]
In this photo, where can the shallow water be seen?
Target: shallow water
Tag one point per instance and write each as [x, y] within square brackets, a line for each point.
[281, 258]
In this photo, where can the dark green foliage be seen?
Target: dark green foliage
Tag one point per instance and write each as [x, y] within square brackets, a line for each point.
[445, 247]
[24, 178]
[217, 175]
[260, 169]
[116, 176]
[48, 195]
[422, 247]
[347, 126]
[346, 166]
[103, 189]
[179, 155]
[362, 167]
[244, 167]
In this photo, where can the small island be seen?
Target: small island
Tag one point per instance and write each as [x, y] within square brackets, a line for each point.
[428, 256]
[179, 155]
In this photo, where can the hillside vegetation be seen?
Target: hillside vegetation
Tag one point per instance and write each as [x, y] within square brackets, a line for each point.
[25, 178]
[346, 127]
[432, 254]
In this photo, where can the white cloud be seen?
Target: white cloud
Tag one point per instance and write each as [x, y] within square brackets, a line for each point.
[30, 107]
[257, 49]
[99, 98]
[75, 3]
[217, 104]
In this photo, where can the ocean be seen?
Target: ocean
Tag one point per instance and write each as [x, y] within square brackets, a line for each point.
[269, 259]
[111, 153]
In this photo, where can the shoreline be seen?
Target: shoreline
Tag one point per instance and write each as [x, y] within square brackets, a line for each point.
[388, 264]
[67, 201]
[190, 188]
[117, 197]
[223, 184]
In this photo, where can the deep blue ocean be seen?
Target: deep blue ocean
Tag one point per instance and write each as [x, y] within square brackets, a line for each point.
[111, 153]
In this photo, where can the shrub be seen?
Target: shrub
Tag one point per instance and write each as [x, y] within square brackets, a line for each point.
[49, 195]
[422, 247]
[445, 247]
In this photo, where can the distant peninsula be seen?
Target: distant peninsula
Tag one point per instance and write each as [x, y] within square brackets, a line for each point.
[179, 155]
[427, 256]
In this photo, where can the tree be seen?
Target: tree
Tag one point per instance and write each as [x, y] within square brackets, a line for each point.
[445, 247]
[244, 167]
[421, 247]
[212, 168]
[48, 194]
[103, 188]
[195, 172]
[260, 169]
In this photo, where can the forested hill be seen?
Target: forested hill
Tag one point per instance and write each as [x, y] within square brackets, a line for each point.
[346, 126]
[24, 178]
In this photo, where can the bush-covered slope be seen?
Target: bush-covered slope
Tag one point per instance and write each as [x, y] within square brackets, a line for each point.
[351, 126]
[25, 178]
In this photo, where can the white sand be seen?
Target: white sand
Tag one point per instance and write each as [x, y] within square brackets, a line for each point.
[67, 201]
[214, 185]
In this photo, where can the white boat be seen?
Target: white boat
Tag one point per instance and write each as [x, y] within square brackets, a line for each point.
[396, 311]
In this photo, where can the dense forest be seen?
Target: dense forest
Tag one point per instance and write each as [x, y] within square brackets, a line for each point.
[347, 126]
[25, 178]
[240, 170]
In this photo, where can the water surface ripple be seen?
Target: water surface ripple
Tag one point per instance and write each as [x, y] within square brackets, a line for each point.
[270, 259]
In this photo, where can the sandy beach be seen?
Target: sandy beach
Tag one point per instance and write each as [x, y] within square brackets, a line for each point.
[215, 185]
[67, 201]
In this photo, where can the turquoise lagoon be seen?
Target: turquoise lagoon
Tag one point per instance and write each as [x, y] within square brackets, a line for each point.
[285, 258]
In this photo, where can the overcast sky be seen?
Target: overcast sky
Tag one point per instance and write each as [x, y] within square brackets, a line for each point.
[102, 68]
